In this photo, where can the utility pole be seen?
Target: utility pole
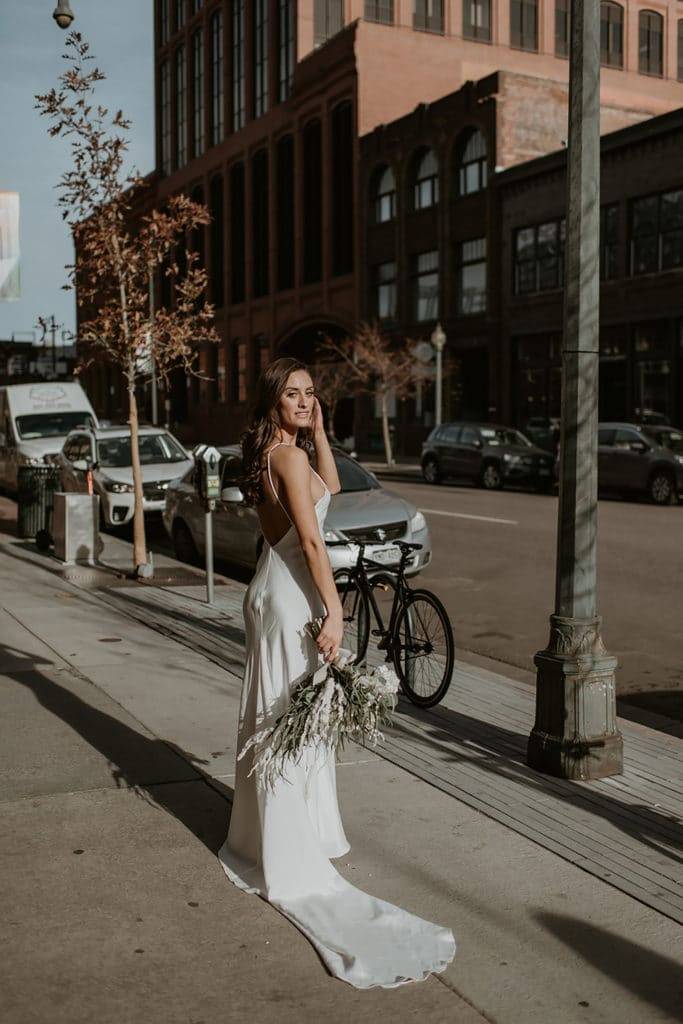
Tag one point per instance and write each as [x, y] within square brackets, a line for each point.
[575, 735]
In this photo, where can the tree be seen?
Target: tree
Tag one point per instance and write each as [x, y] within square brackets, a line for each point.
[334, 379]
[115, 261]
[379, 368]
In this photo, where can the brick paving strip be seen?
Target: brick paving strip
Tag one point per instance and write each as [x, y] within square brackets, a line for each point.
[625, 831]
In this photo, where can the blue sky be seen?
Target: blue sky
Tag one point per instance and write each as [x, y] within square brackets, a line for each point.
[120, 34]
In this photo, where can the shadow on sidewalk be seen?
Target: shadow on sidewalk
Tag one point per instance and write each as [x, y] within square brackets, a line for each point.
[160, 772]
[654, 978]
[502, 753]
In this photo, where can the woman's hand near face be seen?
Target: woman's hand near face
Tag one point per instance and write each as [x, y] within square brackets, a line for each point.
[317, 421]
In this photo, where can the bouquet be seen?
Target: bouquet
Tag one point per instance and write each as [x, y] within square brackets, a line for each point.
[337, 703]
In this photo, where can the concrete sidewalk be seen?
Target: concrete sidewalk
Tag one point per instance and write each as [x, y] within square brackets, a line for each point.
[116, 770]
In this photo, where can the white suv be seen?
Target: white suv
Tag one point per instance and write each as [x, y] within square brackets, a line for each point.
[106, 450]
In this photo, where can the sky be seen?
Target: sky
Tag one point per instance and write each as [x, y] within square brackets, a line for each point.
[120, 34]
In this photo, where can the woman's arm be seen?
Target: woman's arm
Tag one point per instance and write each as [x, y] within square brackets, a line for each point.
[293, 474]
[324, 458]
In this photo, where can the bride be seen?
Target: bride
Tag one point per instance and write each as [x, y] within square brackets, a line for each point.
[280, 841]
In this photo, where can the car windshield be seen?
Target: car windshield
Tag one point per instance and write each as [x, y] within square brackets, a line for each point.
[114, 452]
[672, 439]
[352, 476]
[51, 424]
[504, 436]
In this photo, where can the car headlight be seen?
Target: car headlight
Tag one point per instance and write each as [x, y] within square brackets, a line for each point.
[30, 460]
[116, 487]
[418, 522]
[331, 535]
[512, 459]
[679, 460]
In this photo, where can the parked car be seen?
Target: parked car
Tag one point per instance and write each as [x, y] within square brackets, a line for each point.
[486, 453]
[363, 510]
[543, 431]
[107, 451]
[639, 459]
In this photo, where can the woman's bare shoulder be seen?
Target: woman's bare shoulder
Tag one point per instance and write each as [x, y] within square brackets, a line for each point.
[290, 461]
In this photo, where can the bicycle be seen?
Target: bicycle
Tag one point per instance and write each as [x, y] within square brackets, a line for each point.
[418, 637]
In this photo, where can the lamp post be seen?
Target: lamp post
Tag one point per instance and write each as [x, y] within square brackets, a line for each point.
[575, 735]
[63, 14]
[438, 340]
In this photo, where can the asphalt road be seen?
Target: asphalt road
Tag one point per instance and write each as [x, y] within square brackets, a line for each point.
[494, 568]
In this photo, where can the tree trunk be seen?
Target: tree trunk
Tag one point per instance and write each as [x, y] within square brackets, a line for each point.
[139, 542]
[385, 429]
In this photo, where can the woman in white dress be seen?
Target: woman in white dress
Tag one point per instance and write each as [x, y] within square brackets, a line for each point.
[280, 840]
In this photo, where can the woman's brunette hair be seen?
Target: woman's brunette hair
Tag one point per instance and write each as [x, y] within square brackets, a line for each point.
[264, 426]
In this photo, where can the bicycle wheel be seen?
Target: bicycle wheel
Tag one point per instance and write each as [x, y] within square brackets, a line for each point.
[356, 615]
[423, 649]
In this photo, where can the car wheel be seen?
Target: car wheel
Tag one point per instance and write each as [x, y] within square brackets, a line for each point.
[184, 545]
[662, 489]
[491, 477]
[430, 471]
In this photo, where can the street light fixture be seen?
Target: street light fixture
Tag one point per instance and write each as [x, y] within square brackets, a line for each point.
[63, 14]
[438, 340]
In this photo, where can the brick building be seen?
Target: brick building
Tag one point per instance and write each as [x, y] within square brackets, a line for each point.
[263, 109]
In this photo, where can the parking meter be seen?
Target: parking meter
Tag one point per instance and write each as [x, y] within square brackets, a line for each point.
[208, 485]
[207, 474]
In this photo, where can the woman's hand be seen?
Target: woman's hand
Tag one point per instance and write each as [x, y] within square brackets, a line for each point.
[330, 636]
[317, 422]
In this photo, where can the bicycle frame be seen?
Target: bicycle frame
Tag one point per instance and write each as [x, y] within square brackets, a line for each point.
[359, 576]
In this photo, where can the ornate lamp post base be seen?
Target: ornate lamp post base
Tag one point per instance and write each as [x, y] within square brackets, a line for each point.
[575, 735]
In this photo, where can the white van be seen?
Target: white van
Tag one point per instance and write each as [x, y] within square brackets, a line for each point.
[34, 421]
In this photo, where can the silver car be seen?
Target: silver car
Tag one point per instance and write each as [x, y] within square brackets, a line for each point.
[106, 451]
[362, 511]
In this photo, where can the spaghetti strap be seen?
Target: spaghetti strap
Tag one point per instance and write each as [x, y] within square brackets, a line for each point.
[270, 479]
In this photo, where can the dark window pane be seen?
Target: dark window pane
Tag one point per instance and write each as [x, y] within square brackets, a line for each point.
[342, 189]
[645, 255]
[562, 28]
[285, 212]
[237, 253]
[312, 199]
[217, 261]
[672, 249]
[259, 201]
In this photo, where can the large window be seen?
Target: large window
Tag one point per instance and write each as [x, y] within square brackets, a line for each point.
[380, 10]
[562, 28]
[472, 165]
[476, 19]
[384, 196]
[164, 21]
[198, 93]
[342, 188]
[313, 202]
[524, 24]
[259, 222]
[428, 15]
[285, 213]
[180, 107]
[612, 35]
[238, 85]
[426, 183]
[472, 277]
[285, 48]
[650, 43]
[237, 253]
[609, 241]
[165, 116]
[425, 286]
[179, 14]
[217, 259]
[260, 57]
[217, 106]
[384, 288]
[328, 19]
[539, 257]
[657, 233]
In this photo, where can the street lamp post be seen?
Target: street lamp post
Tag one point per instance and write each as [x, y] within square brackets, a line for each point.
[575, 735]
[63, 14]
[438, 340]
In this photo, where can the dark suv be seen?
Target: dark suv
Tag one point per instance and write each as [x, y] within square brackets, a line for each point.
[645, 459]
[489, 454]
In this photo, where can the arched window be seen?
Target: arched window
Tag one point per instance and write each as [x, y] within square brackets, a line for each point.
[313, 202]
[384, 195]
[216, 229]
[472, 164]
[650, 43]
[426, 184]
[342, 188]
[612, 35]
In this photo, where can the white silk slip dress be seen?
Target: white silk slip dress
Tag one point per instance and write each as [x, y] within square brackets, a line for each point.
[281, 839]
